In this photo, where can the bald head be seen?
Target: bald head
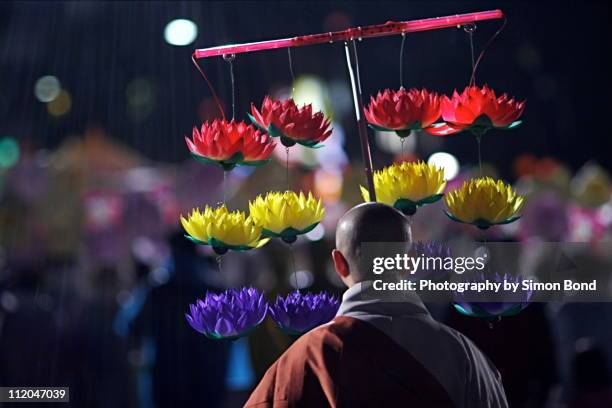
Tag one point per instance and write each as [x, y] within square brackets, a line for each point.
[369, 222]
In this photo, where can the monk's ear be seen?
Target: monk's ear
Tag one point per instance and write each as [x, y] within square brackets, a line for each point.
[340, 263]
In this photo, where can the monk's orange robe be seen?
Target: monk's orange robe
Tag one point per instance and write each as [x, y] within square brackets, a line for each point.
[348, 363]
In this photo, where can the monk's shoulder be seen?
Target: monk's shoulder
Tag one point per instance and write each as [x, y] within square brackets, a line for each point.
[334, 333]
[327, 336]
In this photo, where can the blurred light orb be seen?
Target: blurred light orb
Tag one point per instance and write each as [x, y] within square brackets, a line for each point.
[447, 161]
[47, 88]
[180, 32]
[9, 302]
[328, 184]
[158, 276]
[60, 105]
[9, 152]
[139, 92]
[140, 95]
[391, 143]
[309, 89]
[301, 279]
[316, 234]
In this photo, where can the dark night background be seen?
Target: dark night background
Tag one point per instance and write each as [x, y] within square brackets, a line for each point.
[95, 271]
[554, 54]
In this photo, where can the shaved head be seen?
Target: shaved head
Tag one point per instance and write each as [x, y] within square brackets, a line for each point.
[368, 222]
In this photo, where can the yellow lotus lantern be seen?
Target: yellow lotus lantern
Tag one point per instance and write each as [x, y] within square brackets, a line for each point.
[286, 215]
[223, 229]
[408, 185]
[484, 202]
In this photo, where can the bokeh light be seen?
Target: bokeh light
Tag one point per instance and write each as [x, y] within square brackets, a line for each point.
[301, 279]
[328, 184]
[180, 32]
[9, 152]
[310, 89]
[391, 143]
[317, 234]
[140, 95]
[447, 161]
[47, 88]
[60, 105]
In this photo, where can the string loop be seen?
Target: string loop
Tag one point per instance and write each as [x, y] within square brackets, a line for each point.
[210, 87]
[485, 48]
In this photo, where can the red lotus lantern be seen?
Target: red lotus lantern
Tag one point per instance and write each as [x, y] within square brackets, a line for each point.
[292, 124]
[477, 110]
[403, 111]
[230, 144]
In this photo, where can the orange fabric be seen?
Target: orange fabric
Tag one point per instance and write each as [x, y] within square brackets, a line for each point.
[347, 363]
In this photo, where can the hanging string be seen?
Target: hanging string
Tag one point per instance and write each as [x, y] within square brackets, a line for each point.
[224, 187]
[401, 78]
[287, 168]
[229, 58]
[219, 260]
[292, 93]
[295, 275]
[401, 62]
[210, 87]
[479, 143]
[470, 28]
[487, 45]
[291, 71]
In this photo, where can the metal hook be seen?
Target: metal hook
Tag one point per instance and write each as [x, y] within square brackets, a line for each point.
[469, 28]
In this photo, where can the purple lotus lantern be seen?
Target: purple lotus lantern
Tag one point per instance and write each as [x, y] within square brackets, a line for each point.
[299, 312]
[228, 315]
[491, 306]
[434, 254]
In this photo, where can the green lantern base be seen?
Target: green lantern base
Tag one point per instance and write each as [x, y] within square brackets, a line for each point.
[229, 164]
[402, 133]
[482, 223]
[218, 246]
[288, 235]
[285, 140]
[409, 207]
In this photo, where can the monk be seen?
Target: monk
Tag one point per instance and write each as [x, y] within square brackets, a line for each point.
[378, 352]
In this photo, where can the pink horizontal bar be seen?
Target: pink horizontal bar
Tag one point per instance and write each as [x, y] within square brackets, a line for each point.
[379, 30]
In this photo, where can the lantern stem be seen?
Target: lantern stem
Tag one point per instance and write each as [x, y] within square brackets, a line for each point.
[361, 124]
